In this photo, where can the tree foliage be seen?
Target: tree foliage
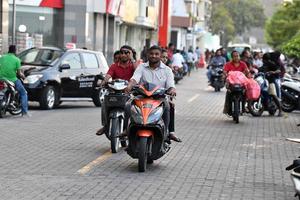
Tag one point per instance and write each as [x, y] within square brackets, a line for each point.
[234, 17]
[284, 24]
[292, 47]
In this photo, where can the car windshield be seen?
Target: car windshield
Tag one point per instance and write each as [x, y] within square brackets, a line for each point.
[43, 57]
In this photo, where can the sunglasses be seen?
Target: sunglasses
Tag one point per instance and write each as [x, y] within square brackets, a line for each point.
[124, 52]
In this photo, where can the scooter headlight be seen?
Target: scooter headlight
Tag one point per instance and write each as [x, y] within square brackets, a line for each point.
[155, 115]
[136, 114]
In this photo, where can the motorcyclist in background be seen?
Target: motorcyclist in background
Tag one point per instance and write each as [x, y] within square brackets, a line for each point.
[247, 58]
[217, 60]
[124, 70]
[165, 59]
[10, 68]
[272, 70]
[235, 65]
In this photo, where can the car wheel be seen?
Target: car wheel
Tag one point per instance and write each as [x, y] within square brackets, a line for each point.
[48, 98]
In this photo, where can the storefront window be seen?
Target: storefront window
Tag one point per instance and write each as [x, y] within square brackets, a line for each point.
[39, 25]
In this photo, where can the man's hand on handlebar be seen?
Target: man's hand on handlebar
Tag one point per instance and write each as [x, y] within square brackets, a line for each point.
[171, 91]
[131, 83]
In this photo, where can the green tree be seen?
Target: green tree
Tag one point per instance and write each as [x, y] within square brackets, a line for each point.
[234, 17]
[284, 24]
[224, 29]
[292, 47]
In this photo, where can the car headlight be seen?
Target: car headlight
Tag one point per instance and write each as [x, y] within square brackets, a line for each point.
[31, 79]
[155, 115]
[136, 114]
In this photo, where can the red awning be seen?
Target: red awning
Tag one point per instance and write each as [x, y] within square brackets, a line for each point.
[52, 3]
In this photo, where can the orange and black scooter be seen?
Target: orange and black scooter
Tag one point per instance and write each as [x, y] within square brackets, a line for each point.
[147, 133]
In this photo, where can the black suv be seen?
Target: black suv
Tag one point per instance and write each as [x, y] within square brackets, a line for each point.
[54, 75]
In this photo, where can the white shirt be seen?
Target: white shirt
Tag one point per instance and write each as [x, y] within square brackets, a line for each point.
[177, 60]
[161, 76]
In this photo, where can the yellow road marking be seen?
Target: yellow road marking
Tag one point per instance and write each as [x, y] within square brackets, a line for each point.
[193, 98]
[94, 163]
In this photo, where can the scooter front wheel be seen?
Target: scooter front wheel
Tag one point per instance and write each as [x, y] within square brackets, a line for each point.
[114, 132]
[143, 153]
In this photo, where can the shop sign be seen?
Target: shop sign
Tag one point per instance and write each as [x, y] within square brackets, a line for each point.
[115, 7]
[40, 3]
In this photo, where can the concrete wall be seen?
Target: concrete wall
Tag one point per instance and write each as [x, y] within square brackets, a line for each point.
[4, 26]
[75, 22]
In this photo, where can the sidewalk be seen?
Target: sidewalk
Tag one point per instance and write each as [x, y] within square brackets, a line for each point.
[41, 158]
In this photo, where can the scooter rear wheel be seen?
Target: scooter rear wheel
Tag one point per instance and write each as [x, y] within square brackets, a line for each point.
[236, 111]
[256, 108]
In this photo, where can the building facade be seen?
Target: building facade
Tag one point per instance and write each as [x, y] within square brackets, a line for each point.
[4, 13]
[189, 23]
[103, 25]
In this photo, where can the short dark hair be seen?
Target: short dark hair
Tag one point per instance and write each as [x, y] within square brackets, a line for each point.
[164, 51]
[170, 44]
[234, 51]
[12, 49]
[117, 53]
[155, 47]
[127, 47]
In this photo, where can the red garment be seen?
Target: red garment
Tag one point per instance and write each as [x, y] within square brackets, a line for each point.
[125, 72]
[170, 54]
[231, 67]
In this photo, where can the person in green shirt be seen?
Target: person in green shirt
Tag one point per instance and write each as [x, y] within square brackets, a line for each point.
[10, 67]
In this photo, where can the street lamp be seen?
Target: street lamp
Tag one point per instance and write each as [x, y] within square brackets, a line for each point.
[14, 23]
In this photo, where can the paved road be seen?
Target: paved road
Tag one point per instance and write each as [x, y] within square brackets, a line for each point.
[56, 155]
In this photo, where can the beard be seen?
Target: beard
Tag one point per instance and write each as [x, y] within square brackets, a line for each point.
[153, 62]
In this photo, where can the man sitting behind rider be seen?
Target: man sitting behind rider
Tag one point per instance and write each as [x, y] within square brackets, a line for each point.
[123, 69]
[235, 65]
[216, 61]
[155, 72]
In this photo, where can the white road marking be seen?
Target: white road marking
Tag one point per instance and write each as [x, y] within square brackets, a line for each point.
[193, 98]
[94, 163]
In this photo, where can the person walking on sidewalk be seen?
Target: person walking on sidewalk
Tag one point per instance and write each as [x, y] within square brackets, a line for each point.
[10, 68]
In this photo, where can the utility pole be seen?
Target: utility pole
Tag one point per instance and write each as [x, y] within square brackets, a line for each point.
[14, 23]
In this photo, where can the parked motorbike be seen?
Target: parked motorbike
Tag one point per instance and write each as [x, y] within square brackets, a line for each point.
[265, 102]
[9, 99]
[295, 170]
[217, 81]
[114, 102]
[290, 94]
[147, 133]
[292, 66]
[178, 74]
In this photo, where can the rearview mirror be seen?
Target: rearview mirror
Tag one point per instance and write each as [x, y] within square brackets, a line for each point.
[100, 76]
[64, 66]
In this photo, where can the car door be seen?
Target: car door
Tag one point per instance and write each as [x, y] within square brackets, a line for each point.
[91, 69]
[70, 78]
